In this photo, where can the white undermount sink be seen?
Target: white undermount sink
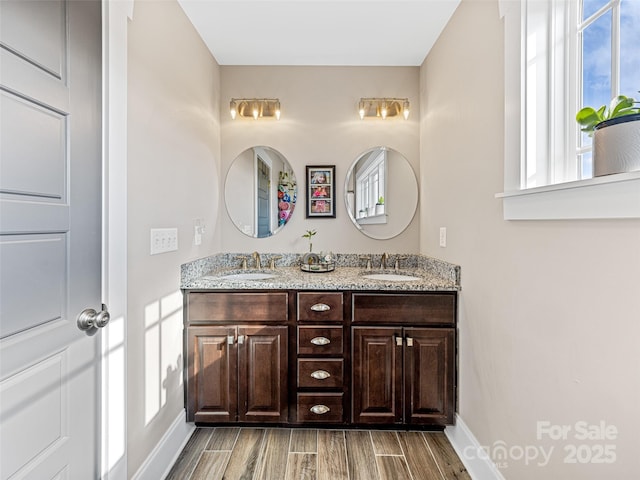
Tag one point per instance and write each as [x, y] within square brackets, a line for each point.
[248, 276]
[391, 277]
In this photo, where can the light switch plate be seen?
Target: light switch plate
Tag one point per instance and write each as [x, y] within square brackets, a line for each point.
[443, 236]
[163, 240]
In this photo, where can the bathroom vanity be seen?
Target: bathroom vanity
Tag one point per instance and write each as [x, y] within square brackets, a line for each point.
[333, 349]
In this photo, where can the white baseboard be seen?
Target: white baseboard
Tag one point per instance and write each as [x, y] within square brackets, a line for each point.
[466, 445]
[166, 452]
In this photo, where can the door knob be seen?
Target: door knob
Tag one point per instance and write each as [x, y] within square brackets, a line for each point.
[90, 319]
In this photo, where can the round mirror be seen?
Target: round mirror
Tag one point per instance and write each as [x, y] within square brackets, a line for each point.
[260, 192]
[381, 193]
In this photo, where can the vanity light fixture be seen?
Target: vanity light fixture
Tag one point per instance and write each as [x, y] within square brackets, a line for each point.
[383, 107]
[254, 107]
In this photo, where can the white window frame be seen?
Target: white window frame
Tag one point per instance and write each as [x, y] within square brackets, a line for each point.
[613, 196]
[370, 182]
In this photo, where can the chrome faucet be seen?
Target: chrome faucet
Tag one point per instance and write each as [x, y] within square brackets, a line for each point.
[384, 260]
[256, 259]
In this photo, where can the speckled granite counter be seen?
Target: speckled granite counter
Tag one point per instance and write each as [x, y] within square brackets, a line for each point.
[208, 274]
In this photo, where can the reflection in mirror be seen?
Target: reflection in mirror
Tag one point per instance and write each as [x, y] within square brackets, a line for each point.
[260, 192]
[381, 193]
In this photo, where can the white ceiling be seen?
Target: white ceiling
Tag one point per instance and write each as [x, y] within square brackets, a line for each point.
[319, 32]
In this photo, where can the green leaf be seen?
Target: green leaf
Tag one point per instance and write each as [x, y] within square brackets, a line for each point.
[588, 117]
[618, 104]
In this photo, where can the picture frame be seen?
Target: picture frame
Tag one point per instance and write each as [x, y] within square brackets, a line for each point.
[321, 191]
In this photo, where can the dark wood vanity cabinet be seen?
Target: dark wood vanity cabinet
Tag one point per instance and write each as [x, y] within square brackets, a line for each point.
[320, 358]
[236, 372]
[313, 357]
[403, 372]
[403, 375]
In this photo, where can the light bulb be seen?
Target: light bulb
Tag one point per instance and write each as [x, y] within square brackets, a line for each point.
[233, 110]
[361, 110]
[383, 110]
[255, 111]
[277, 110]
[405, 109]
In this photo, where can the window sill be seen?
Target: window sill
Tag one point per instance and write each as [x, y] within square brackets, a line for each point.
[613, 196]
[373, 219]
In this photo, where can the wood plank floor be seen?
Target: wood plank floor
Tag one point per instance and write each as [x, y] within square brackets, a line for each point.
[232, 453]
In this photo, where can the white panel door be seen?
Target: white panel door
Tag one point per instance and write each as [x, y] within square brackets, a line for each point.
[50, 237]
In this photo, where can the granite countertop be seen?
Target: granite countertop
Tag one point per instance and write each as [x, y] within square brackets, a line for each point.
[432, 274]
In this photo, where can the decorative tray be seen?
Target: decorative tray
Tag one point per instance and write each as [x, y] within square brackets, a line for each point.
[318, 267]
[311, 263]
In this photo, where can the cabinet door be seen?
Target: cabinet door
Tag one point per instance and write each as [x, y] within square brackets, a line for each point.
[262, 373]
[212, 374]
[429, 376]
[377, 375]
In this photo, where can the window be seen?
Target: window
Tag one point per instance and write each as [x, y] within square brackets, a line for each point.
[559, 56]
[577, 53]
[608, 58]
[370, 183]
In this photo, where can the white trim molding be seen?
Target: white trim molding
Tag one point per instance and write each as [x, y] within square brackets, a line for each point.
[610, 197]
[164, 455]
[613, 196]
[471, 453]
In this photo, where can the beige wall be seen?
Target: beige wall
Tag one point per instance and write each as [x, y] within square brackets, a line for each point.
[173, 178]
[549, 310]
[319, 126]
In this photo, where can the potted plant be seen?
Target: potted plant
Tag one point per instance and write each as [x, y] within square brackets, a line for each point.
[309, 235]
[616, 135]
[380, 206]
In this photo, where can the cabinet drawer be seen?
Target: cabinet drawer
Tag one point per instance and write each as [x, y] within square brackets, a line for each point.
[317, 307]
[320, 373]
[414, 309]
[237, 307]
[320, 407]
[314, 340]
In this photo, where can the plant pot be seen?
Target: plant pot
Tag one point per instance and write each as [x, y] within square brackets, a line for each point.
[616, 146]
[379, 209]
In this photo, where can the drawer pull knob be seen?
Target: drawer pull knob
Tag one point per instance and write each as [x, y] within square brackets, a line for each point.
[320, 307]
[320, 341]
[320, 374]
[320, 409]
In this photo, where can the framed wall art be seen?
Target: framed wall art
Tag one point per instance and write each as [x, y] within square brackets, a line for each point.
[321, 191]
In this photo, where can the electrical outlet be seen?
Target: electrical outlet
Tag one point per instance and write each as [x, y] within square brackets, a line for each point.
[198, 231]
[443, 236]
[163, 240]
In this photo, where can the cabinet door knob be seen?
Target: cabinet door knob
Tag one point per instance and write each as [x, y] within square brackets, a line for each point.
[230, 339]
[409, 342]
[320, 341]
[398, 341]
[240, 339]
[320, 374]
[320, 307]
[320, 409]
